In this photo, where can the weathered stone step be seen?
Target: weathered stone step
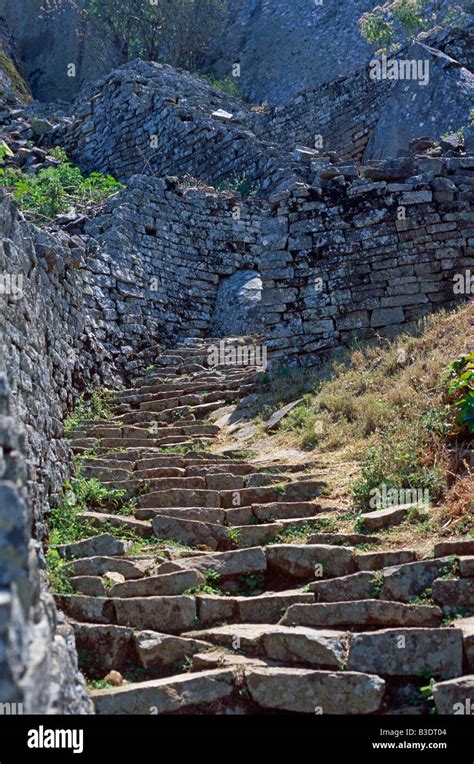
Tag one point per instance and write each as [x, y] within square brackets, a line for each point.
[98, 566]
[133, 485]
[104, 474]
[273, 511]
[370, 612]
[103, 544]
[304, 561]
[407, 652]
[180, 497]
[170, 390]
[213, 515]
[379, 560]
[172, 614]
[164, 696]
[266, 608]
[356, 586]
[383, 518]
[289, 644]
[406, 582]
[342, 539]
[108, 444]
[456, 696]
[152, 586]
[312, 691]
[454, 593]
[163, 651]
[104, 520]
[226, 564]
[458, 547]
[107, 646]
[192, 532]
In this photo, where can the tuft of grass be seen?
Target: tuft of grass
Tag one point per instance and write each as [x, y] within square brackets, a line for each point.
[97, 407]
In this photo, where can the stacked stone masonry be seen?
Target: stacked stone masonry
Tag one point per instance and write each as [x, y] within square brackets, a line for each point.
[341, 249]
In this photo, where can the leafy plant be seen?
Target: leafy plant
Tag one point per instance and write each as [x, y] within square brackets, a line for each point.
[241, 184]
[404, 470]
[58, 578]
[56, 190]
[376, 584]
[394, 22]
[176, 31]
[459, 379]
[233, 535]
[97, 407]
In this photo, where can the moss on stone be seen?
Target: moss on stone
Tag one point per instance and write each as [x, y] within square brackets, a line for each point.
[18, 83]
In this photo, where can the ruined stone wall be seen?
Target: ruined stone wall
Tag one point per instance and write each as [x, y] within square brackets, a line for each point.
[162, 251]
[344, 113]
[40, 323]
[153, 119]
[365, 257]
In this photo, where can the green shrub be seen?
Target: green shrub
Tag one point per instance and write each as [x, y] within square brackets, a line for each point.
[241, 184]
[459, 379]
[55, 191]
[395, 461]
[393, 22]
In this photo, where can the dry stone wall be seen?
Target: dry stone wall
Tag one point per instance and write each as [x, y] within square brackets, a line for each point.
[364, 118]
[162, 251]
[366, 257]
[152, 119]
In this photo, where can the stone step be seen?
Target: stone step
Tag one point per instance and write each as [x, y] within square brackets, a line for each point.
[406, 582]
[311, 691]
[454, 593]
[98, 566]
[289, 644]
[192, 532]
[103, 544]
[91, 586]
[343, 539]
[456, 696]
[268, 607]
[407, 652]
[153, 586]
[370, 612]
[122, 523]
[356, 586]
[304, 561]
[226, 564]
[107, 646]
[164, 696]
[379, 560]
[271, 512]
[458, 547]
[155, 650]
[180, 497]
[134, 486]
[384, 518]
[213, 515]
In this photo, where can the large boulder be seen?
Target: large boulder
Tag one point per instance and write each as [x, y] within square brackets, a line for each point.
[237, 310]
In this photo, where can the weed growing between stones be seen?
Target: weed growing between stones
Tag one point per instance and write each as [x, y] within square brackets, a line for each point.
[96, 408]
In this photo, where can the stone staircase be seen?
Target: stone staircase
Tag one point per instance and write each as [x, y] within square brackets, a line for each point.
[217, 609]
